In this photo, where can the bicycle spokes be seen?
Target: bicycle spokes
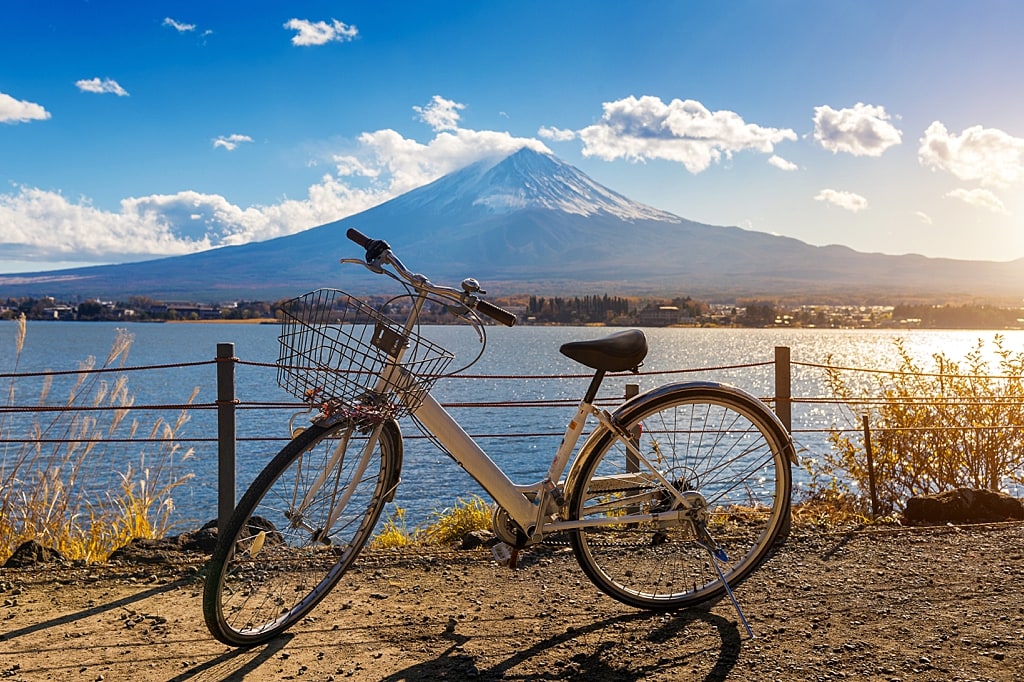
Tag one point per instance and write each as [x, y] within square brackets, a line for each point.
[682, 499]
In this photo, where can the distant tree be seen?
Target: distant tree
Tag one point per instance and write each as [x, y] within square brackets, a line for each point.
[91, 310]
[960, 317]
[758, 314]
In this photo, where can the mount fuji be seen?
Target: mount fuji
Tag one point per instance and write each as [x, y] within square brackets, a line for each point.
[530, 222]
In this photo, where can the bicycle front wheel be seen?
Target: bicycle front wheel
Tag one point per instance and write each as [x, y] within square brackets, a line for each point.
[298, 528]
[722, 451]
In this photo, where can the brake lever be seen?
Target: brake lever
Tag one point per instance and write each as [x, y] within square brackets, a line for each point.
[464, 312]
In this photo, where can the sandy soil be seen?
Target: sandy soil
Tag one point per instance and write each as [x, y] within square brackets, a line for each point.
[892, 604]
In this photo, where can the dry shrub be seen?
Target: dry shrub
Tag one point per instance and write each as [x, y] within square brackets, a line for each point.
[394, 533]
[955, 424]
[451, 525]
[445, 526]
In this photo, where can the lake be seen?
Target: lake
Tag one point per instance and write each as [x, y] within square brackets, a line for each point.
[521, 439]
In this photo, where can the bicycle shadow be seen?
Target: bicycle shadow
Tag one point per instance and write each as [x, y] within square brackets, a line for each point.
[95, 610]
[236, 664]
[591, 662]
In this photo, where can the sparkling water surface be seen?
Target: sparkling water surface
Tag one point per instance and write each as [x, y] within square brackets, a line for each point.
[521, 440]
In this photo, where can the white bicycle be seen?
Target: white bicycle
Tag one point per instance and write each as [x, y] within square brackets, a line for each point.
[674, 497]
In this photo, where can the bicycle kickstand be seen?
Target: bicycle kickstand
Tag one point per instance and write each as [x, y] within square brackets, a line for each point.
[718, 554]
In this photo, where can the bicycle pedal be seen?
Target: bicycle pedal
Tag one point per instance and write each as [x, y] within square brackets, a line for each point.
[505, 555]
[502, 553]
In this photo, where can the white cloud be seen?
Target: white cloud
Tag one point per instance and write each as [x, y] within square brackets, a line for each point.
[782, 164]
[20, 111]
[178, 26]
[988, 155]
[41, 225]
[101, 87]
[441, 113]
[230, 142]
[980, 198]
[847, 200]
[923, 217]
[556, 134]
[320, 32]
[685, 132]
[406, 164]
[864, 130]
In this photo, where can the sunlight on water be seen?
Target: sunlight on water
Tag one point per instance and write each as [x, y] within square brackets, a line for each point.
[429, 479]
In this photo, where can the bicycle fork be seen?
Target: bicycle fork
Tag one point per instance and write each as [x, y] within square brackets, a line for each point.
[296, 515]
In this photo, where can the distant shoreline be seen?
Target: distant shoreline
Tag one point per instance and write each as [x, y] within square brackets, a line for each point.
[255, 320]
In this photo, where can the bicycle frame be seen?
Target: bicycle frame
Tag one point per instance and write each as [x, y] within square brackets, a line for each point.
[534, 517]
[533, 506]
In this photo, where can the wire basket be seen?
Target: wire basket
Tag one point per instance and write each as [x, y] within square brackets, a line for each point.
[337, 351]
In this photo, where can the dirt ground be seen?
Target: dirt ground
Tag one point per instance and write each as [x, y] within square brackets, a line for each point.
[886, 604]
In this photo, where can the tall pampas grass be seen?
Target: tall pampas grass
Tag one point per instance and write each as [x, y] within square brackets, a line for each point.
[79, 482]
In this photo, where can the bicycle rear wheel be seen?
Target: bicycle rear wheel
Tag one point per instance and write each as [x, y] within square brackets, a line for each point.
[298, 528]
[717, 446]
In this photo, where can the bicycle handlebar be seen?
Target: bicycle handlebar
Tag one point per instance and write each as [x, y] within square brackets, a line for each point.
[378, 252]
[496, 313]
[358, 237]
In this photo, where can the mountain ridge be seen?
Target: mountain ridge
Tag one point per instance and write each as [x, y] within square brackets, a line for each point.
[531, 222]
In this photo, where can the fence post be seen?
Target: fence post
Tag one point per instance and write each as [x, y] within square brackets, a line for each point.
[226, 402]
[871, 467]
[783, 390]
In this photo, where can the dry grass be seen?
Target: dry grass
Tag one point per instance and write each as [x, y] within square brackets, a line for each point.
[67, 485]
[445, 526]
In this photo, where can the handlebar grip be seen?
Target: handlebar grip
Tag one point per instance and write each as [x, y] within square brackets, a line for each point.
[358, 237]
[495, 313]
[375, 248]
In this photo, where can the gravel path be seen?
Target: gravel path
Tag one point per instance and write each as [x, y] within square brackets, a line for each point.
[889, 604]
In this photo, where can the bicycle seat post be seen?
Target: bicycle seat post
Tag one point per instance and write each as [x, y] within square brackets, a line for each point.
[595, 385]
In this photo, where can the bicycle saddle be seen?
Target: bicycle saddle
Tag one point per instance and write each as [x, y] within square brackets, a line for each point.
[614, 353]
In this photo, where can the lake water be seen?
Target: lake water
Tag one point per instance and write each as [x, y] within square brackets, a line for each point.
[521, 440]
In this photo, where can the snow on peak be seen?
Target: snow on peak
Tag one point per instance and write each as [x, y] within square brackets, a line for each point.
[532, 179]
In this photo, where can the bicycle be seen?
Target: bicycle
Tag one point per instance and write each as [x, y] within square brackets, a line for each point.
[673, 498]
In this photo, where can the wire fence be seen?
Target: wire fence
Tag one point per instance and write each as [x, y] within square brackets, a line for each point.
[848, 407]
[811, 418]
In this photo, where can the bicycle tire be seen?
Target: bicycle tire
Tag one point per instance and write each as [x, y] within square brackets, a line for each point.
[703, 438]
[272, 565]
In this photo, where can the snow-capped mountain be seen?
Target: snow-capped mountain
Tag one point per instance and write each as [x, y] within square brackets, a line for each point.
[531, 223]
[525, 180]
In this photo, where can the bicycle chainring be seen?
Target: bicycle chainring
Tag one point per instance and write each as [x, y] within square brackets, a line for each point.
[506, 530]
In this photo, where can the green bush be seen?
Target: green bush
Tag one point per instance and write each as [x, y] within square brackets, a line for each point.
[955, 424]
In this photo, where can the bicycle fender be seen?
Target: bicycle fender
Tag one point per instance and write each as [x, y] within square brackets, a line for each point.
[396, 433]
[622, 411]
[622, 414]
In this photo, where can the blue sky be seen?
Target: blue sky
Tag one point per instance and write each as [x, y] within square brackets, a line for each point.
[131, 130]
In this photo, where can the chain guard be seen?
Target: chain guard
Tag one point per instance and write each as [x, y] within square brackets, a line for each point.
[506, 530]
